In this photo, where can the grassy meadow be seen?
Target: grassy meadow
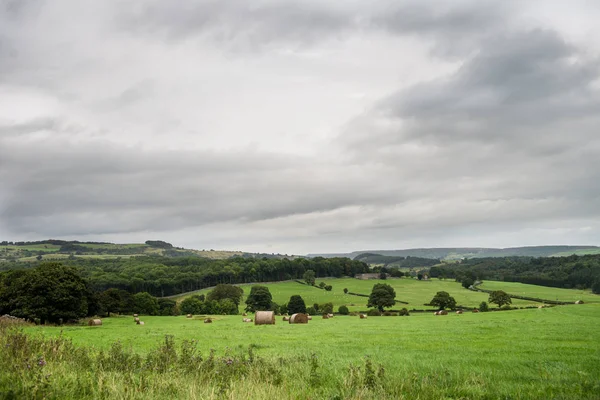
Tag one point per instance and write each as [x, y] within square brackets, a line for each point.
[550, 353]
[415, 292]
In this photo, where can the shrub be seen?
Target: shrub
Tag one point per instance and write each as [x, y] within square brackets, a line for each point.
[390, 314]
[343, 310]
[345, 290]
[311, 310]
[483, 307]
[404, 312]
[506, 307]
[326, 308]
[328, 288]
[296, 305]
[373, 312]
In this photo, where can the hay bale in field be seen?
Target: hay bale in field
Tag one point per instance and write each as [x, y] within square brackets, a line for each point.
[330, 315]
[135, 315]
[189, 316]
[299, 318]
[264, 318]
[442, 312]
[246, 319]
[540, 306]
[579, 302]
[95, 322]
[285, 319]
[310, 317]
[363, 316]
[136, 319]
[208, 321]
[459, 312]
[141, 323]
[475, 310]
[244, 315]
[325, 316]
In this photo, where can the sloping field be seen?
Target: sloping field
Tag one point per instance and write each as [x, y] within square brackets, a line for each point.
[415, 292]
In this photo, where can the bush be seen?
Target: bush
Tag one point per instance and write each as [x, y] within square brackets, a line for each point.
[483, 307]
[345, 290]
[404, 312]
[506, 307]
[328, 288]
[343, 310]
[389, 314]
[311, 311]
[373, 312]
[326, 308]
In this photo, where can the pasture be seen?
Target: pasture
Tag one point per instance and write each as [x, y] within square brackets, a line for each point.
[415, 292]
[521, 354]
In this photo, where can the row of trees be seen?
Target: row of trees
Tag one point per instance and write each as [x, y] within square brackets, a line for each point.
[163, 276]
[581, 272]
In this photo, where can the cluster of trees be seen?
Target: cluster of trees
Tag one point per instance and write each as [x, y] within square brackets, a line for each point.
[443, 300]
[396, 261]
[164, 276]
[581, 272]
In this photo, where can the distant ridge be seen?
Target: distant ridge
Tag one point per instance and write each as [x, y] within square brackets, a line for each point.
[455, 253]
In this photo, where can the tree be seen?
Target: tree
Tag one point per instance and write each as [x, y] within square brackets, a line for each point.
[226, 291]
[50, 292]
[343, 310]
[483, 307]
[296, 305]
[326, 308]
[322, 285]
[145, 303]
[259, 299]
[168, 307]
[382, 275]
[382, 295]
[115, 301]
[345, 290]
[191, 305]
[443, 300]
[309, 277]
[467, 282]
[328, 288]
[499, 297]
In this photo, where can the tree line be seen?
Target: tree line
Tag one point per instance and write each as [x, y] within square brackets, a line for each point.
[572, 272]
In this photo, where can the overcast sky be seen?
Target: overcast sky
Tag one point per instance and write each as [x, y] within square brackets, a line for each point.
[301, 126]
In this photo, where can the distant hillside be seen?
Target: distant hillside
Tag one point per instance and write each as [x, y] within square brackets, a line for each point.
[396, 261]
[52, 249]
[475, 252]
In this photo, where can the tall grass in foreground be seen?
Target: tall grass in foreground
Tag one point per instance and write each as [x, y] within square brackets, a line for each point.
[35, 367]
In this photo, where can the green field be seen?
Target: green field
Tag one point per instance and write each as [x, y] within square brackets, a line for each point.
[415, 292]
[522, 354]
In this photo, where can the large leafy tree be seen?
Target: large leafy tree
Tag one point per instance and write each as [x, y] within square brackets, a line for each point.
[309, 277]
[499, 297]
[296, 305]
[382, 295]
[116, 301]
[443, 300]
[50, 292]
[226, 291]
[259, 299]
[145, 303]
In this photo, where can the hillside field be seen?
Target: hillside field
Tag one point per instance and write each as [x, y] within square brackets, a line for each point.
[521, 354]
[415, 292]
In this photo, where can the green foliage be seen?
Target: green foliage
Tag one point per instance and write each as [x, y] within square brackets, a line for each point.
[322, 285]
[145, 303]
[309, 277]
[115, 301]
[50, 292]
[467, 282]
[443, 300]
[326, 308]
[328, 288]
[159, 244]
[259, 299]
[596, 287]
[404, 312]
[296, 305]
[483, 307]
[345, 290]
[191, 305]
[500, 298]
[373, 312]
[168, 307]
[311, 310]
[226, 291]
[343, 310]
[382, 295]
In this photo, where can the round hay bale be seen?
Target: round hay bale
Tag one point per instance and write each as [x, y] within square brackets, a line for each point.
[135, 315]
[579, 302]
[208, 321]
[325, 316]
[136, 319]
[363, 316]
[299, 318]
[244, 315]
[141, 323]
[310, 317]
[95, 322]
[264, 318]
[443, 312]
[246, 319]
[540, 307]
[330, 315]
[285, 319]
[189, 316]
[459, 312]
[475, 310]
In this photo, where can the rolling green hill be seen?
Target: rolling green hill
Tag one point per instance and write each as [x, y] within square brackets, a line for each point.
[457, 253]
